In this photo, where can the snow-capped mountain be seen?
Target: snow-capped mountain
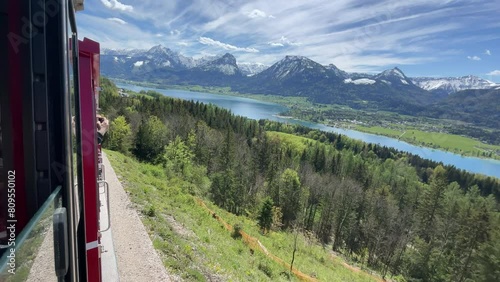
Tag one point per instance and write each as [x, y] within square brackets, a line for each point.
[161, 56]
[293, 67]
[393, 77]
[450, 85]
[225, 64]
[250, 69]
[338, 72]
[205, 59]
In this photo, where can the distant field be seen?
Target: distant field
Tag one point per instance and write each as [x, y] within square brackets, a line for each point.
[449, 142]
[197, 247]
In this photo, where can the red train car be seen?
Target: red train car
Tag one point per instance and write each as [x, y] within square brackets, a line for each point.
[49, 187]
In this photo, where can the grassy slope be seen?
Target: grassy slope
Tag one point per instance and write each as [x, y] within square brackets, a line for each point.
[199, 248]
[450, 142]
[296, 143]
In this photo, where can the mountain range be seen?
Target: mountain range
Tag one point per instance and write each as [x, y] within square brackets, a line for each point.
[119, 62]
[390, 90]
[448, 85]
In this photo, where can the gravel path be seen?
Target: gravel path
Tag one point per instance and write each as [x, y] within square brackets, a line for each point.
[136, 257]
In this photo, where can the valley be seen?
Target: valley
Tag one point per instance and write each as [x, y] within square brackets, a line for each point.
[212, 185]
[442, 111]
[448, 135]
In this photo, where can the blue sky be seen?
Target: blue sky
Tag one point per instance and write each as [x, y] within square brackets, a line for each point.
[423, 38]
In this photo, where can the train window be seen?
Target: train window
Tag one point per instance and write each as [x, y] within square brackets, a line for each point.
[36, 238]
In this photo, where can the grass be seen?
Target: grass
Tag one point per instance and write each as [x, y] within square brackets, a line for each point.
[449, 142]
[294, 142]
[197, 247]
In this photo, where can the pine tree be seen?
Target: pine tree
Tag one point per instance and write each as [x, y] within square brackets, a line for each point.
[431, 203]
[290, 196]
[265, 217]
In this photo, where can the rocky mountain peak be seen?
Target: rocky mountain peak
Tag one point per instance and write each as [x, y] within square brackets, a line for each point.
[394, 76]
[225, 64]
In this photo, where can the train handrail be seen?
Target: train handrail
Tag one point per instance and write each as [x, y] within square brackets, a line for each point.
[106, 191]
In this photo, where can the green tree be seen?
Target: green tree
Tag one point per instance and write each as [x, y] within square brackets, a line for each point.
[474, 230]
[265, 217]
[431, 204]
[290, 196]
[426, 260]
[151, 140]
[120, 138]
[346, 203]
[178, 157]
[488, 261]
[108, 94]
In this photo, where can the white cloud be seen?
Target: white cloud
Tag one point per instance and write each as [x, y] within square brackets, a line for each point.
[495, 72]
[114, 35]
[487, 52]
[175, 32]
[256, 14]
[284, 42]
[211, 42]
[115, 5]
[117, 20]
[474, 58]
[183, 43]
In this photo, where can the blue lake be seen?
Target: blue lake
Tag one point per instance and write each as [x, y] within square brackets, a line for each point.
[263, 110]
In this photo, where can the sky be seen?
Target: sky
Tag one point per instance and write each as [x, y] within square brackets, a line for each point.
[423, 38]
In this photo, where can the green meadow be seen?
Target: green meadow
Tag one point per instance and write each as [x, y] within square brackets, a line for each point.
[449, 142]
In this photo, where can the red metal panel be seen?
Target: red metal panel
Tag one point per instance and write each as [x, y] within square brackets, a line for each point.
[16, 107]
[89, 158]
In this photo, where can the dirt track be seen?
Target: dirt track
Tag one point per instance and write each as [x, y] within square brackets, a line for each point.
[136, 258]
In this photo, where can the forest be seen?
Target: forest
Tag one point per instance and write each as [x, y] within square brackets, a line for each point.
[397, 213]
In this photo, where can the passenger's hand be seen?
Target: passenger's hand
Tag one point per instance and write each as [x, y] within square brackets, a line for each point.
[102, 124]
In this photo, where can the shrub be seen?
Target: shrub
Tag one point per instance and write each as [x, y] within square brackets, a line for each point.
[151, 211]
[236, 234]
[264, 267]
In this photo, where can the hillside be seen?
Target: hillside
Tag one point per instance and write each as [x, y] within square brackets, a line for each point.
[480, 106]
[195, 246]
